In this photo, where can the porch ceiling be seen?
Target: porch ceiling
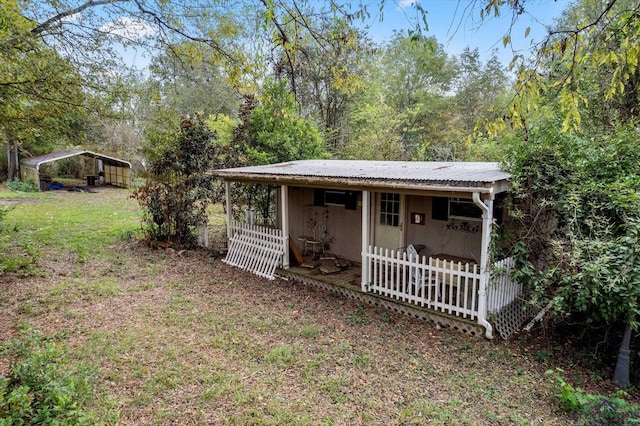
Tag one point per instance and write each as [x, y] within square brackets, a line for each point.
[434, 176]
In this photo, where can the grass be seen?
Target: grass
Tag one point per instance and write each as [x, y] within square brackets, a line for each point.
[189, 340]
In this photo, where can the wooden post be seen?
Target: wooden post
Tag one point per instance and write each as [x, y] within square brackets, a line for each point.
[284, 203]
[227, 194]
[366, 238]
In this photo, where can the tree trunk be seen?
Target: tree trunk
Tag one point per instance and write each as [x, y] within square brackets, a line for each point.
[621, 374]
[12, 165]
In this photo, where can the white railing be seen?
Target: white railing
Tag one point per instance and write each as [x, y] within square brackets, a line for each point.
[502, 290]
[439, 284]
[254, 248]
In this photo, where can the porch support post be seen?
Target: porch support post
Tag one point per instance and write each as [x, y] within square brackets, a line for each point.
[227, 197]
[485, 268]
[284, 214]
[366, 238]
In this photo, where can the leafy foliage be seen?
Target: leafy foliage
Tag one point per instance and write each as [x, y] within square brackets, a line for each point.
[577, 203]
[27, 186]
[42, 386]
[176, 194]
[588, 65]
[591, 407]
[270, 130]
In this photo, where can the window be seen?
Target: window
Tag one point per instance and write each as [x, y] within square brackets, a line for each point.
[389, 209]
[464, 208]
[330, 197]
[334, 198]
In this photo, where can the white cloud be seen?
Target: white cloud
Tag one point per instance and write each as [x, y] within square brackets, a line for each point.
[403, 4]
[130, 28]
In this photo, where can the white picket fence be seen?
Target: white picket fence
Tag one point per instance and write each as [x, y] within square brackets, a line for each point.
[502, 290]
[443, 285]
[254, 248]
[439, 284]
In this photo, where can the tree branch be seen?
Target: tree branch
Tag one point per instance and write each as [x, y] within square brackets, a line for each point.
[40, 28]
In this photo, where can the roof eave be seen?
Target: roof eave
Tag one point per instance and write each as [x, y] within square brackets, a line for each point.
[298, 180]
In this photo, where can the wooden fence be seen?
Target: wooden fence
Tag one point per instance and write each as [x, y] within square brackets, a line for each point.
[443, 285]
[439, 284]
[254, 248]
[502, 290]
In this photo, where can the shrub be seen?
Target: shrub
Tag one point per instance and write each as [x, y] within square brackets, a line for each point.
[177, 191]
[42, 387]
[27, 186]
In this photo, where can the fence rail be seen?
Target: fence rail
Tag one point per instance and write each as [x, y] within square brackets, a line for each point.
[439, 284]
[502, 290]
[443, 285]
[254, 248]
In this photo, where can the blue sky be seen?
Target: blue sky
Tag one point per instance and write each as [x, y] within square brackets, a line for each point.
[450, 21]
[456, 28]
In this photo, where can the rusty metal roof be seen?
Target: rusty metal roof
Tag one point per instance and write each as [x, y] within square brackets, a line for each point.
[368, 173]
[35, 162]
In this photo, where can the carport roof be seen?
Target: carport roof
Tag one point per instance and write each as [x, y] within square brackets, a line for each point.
[35, 162]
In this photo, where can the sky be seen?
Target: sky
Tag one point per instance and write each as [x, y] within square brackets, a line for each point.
[452, 22]
[455, 27]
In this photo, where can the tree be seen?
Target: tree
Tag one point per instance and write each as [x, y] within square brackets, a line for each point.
[270, 131]
[575, 174]
[602, 36]
[41, 103]
[177, 191]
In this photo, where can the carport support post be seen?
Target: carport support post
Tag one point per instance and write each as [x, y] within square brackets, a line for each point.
[366, 218]
[284, 200]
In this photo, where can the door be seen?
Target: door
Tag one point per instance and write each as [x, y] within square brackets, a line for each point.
[389, 220]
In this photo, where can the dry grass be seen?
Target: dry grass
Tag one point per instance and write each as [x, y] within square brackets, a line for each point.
[189, 340]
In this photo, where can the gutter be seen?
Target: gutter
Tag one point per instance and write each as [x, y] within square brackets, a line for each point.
[487, 219]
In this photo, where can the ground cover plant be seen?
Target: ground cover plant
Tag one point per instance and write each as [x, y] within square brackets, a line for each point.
[168, 338]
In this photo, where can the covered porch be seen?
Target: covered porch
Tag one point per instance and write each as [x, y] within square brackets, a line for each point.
[392, 233]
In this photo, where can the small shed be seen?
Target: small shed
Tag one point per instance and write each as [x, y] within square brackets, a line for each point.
[102, 168]
[411, 236]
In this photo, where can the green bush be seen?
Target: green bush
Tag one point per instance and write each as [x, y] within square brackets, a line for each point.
[42, 387]
[27, 186]
[588, 408]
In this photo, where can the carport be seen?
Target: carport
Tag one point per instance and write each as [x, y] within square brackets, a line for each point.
[101, 168]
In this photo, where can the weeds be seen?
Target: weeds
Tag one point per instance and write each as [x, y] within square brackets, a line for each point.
[595, 409]
[27, 186]
[42, 386]
[359, 317]
[280, 356]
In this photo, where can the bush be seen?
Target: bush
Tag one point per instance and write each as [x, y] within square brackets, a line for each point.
[42, 387]
[27, 186]
[177, 190]
[587, 408]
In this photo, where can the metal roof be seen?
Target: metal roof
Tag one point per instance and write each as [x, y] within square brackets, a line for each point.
[376, 173]
[35, 162]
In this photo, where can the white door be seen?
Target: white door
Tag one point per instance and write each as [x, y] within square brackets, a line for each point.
[389, 220]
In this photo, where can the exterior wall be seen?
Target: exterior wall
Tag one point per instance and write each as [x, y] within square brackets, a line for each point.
[117, 176]
[344, 232]
[450, 236]
[454, 237]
